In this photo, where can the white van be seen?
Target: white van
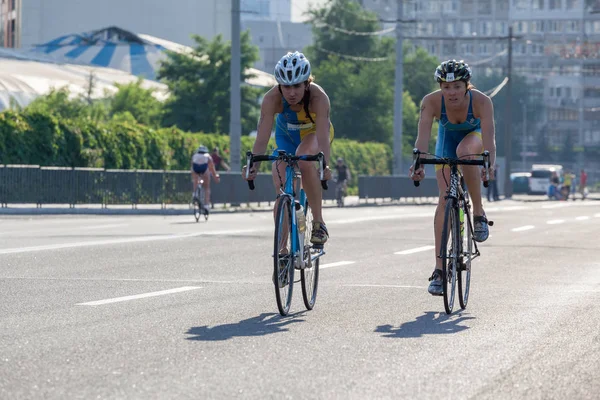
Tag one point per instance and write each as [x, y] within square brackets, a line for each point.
[539, 182]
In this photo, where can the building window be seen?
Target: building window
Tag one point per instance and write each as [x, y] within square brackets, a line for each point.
[554, 4]
[521, 4]
[485, 7]
[501, 28]
[537, 4]
[485, 28]
[483, 48]
[521, 26]
[572, 26]
[450, 29]
[466, 28]
[537, 26]
[501, 5]
[467, 48]
[555, 26]
[572, 4]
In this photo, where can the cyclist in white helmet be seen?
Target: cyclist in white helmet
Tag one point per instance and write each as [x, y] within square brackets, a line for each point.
[302, 127]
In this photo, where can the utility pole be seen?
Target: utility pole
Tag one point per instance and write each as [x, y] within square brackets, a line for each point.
[398, 90]
[508, 119]
[524, 138]
[235, 124]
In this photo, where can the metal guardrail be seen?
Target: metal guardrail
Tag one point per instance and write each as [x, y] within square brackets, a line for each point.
[395, 187]
[32, 184]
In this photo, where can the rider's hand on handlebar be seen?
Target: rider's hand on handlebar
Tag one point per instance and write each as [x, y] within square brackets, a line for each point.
[491, 171]
[417, 175]
[252, 174]
[327, 173]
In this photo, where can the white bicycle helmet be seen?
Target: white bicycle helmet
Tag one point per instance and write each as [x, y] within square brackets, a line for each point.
[293, 68]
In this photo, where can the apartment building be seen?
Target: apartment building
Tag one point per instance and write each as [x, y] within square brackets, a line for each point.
[557, 48]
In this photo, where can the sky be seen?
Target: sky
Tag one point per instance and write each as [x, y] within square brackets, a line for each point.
[300, 6]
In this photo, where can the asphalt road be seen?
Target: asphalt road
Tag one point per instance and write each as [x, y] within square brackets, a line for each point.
[149, 307]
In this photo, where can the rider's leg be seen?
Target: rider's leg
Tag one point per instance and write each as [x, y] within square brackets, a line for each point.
[278, 173]
[310, 176]
[472, 144]
[194, 183]
[443, 179]
[206, 185]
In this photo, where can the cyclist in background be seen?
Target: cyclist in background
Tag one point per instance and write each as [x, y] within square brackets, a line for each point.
[202, 164]
[343, 176]
[466, 126]
[302, 128]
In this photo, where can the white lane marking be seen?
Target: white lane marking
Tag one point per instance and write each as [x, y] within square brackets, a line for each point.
[523, 228]
[557, 205]
[103, 226]
[415, 250]
[597, 215]
[336, 264]
[582, 218]
[139, 296]
[120, 241]
[386, 286]
[555, 221]
[380, 217]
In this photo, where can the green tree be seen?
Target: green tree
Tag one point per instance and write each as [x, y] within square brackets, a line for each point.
[331, 24]
[419, 67]
[137, 101]
[357, 72]
[199, 86]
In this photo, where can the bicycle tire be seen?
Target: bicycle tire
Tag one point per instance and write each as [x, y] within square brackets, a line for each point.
[464, 272]
[449, 247]
[283, 280]
[197, 209]
[309, 275]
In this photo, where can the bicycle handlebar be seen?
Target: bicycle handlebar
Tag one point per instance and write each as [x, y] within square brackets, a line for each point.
[485, 162]
[288, 158]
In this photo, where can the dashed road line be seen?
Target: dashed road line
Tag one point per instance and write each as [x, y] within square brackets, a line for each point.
[415, 250]
[139, 296]
[523, 228]
[336, 264]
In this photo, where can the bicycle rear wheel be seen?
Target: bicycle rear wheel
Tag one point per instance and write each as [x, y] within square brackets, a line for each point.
[310, 273]
[464, 270]
[198, 207]
[283, 274]
[450, 253]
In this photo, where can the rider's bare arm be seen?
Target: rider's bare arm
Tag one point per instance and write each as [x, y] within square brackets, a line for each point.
[270, 106]
[320, 105]
[426, 116]
[485, 108]
[211, 167]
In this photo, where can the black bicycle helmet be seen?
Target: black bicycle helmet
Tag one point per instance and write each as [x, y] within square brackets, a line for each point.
[452, 70]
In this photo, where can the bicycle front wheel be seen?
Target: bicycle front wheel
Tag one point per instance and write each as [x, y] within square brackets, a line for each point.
[283, 274]
[310, 273]
[464, 266]
[450, 253]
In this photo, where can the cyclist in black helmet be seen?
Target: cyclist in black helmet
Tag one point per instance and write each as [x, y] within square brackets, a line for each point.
[466, 126]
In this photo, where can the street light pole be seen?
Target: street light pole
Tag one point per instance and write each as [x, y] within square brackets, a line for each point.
[398, 90]
[235, 124]
[507, 119]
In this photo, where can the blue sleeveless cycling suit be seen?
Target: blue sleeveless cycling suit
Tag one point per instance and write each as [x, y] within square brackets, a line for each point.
[450, 135]
[292, 126]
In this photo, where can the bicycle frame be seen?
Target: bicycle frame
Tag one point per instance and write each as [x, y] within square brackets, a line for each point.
[288, 190]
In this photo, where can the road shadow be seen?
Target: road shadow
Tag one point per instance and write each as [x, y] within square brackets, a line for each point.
[430, 323]
[264, 324]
